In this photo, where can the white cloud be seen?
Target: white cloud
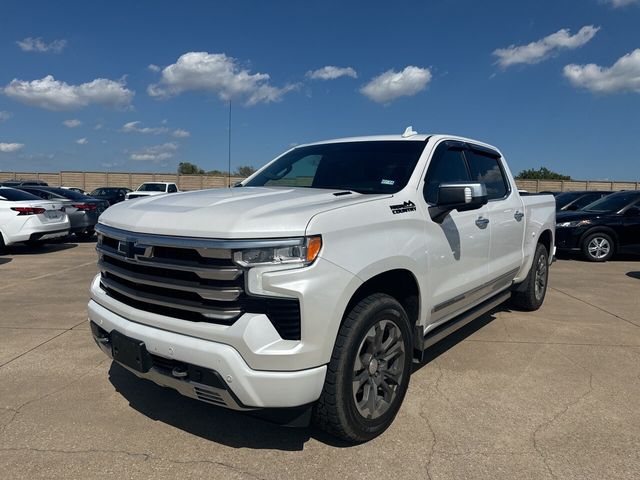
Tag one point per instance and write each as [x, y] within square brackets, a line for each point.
[391, 85]
[622, 76]
[11, 147]
[4, 116]
[38, 45]
[52, 94]
[72, 123]
[155, 153]
[218, 74]
[82, 141]
[134, 127]
[331, 73]
[181, 133]
[153, 67]
[622, 3]
[538, 51]
[98, 126]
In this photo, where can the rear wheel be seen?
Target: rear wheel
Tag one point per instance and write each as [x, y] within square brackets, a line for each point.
[368, 375]
[530, 294]
[598, 247]
[3, 247]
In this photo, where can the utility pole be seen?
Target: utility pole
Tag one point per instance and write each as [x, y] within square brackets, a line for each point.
[229, 159]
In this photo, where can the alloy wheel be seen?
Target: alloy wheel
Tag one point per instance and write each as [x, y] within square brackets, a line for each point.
[599, 247]
[378, 369]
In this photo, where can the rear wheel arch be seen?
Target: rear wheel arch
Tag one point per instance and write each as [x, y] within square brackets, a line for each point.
[546, 239]
[601, 229]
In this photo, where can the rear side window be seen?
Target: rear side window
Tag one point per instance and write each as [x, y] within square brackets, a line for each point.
[447, 165]
[487, 169]
[16, 195]
[172, 189]
[587, 199]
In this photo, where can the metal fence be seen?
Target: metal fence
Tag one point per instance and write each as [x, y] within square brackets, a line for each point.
[91, 180]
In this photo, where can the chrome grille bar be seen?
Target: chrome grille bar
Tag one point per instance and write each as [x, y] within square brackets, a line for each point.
[208, 293]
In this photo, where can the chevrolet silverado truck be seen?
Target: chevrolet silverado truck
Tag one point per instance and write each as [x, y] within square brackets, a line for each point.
[317, 281]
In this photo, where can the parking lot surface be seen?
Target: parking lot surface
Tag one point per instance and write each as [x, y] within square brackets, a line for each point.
[549, 394]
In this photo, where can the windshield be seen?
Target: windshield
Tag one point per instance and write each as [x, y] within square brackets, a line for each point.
[364, 167]
[14, 195]
[152, 187]
[70, 194]
[612, 203]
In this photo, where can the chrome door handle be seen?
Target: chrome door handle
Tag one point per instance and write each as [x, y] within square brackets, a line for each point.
[518, 215]
[482, 222]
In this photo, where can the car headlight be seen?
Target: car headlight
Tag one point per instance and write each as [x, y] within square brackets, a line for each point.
[299, 251]
[574, 223]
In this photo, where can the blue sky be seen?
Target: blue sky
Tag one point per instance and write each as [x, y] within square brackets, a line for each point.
[553, 83]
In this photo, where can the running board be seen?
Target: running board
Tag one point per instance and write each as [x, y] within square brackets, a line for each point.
[437, 334]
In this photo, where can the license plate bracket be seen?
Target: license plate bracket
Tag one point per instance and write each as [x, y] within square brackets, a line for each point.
[130, 352]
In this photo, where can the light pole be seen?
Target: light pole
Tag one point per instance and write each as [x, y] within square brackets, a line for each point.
[229, 159]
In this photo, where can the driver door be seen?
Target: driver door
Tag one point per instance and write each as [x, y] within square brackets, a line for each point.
[458, 248]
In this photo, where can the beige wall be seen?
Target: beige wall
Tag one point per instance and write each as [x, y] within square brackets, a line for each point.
[91, 180]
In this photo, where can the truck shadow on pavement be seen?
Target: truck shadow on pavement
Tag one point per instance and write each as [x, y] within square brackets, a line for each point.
[635, 275]
[5, 260]
[242, 430]
[39, 249]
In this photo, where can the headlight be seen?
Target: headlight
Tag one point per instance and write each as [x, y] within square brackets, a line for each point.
[303, 251]
[575, 223]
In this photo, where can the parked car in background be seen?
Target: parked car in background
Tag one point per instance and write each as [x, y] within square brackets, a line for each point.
[602, 228]
[27, 218]
[19, 183]
[83, 211]
[149, 189]
[112, 195]
[75, 189]
[568, 201]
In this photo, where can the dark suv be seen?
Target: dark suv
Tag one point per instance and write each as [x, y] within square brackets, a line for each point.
[569, 201]
[602, 228]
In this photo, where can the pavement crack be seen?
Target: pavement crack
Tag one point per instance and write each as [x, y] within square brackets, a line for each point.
[558, 415]
[595, 306]
[17, 410]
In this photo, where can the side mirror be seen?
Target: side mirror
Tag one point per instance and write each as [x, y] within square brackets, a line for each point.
[462, 196]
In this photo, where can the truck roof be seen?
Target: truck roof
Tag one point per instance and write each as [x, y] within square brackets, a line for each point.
[419, 137]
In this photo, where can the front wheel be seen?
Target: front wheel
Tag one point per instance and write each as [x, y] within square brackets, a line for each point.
[368, 375]
[598, 247]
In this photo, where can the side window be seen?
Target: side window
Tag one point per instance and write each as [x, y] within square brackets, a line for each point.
[586, 200]
[486, 169]
[447, 165]
[172, 189]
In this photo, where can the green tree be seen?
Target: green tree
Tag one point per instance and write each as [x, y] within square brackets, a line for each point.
[542, 173]
[244, 171]
[186, 168]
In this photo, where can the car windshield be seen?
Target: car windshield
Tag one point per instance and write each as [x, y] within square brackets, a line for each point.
[565, 198]
[364, 167]
[612, 203]
[152, 187]
[13, 195]
[70, 194]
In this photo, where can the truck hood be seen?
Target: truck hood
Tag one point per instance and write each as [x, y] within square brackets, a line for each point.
[244, 212]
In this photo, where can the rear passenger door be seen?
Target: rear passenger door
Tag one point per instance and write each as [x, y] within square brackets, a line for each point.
[505, 212]
[458, 248]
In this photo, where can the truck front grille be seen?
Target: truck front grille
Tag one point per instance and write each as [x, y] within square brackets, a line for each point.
[193, 283]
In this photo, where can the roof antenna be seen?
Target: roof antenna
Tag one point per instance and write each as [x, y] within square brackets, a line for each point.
[409, 132]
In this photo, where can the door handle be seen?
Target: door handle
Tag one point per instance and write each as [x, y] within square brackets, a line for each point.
[482, 223]
[518, 215]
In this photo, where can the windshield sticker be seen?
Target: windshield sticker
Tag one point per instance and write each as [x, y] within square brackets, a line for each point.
[384, 181]
[403, 207]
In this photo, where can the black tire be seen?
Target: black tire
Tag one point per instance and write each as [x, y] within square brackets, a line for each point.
[598, 247]
[3, 247]
[338, 411]
[529, 295]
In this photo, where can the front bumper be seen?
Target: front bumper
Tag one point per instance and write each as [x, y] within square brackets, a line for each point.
[568, 238]
[242, 387]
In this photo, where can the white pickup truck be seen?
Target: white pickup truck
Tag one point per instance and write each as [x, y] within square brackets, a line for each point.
[317, 282]
[150, 189]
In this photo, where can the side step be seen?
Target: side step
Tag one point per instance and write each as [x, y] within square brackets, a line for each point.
[437, 334]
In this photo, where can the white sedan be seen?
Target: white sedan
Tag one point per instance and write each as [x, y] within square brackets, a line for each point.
[27, 218]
